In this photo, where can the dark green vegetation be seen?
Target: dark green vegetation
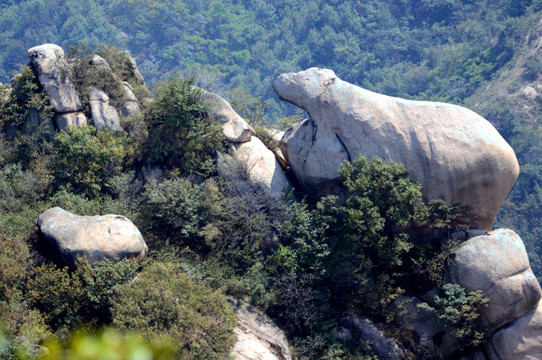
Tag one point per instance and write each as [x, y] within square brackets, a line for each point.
[310, 265]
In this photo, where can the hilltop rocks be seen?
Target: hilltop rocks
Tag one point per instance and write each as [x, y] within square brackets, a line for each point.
[258, 338]
[54, 74]
[497, 263]
[456, 155]
[93, 237]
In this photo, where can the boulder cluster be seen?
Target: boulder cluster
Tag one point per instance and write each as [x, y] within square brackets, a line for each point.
[454, 153]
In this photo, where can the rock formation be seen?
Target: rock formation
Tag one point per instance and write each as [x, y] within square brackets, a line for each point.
[456, 155]
[497, 263]
[258, 338]
[54, 74]
[104, 115]
[257, 162]
[92, 237]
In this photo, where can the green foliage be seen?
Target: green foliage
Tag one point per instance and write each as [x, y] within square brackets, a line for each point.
[175, 208]
[27, 96]
[180, 134]
[72, 298]
[162, 300]
[459, 312]
[85, 160]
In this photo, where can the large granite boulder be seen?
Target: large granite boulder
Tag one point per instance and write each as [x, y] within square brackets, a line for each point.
[104, 115]
[92, 237]
[497, 263]
[521, 339]
[456, 154]
[54, 75]
[257, 336]
[235, 128]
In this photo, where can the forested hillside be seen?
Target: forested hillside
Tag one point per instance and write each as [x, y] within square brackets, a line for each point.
[220, 230]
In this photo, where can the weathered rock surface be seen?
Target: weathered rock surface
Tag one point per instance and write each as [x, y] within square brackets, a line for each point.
[93, 237]
[259, 165]
[521, 339]
[54, 75]
[382, 345]
[456, 154]
[497, 263]
[258, 338]
[131, 105]
[104, 115]
[235, 128]
[64, 121]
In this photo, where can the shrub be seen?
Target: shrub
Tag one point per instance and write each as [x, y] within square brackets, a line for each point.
[459, 312]
[164, 300]
[85, 160]
[180, 133]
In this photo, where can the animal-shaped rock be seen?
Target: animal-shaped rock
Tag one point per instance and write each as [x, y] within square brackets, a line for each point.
[497, 263]
[456, 154]
[93, 237]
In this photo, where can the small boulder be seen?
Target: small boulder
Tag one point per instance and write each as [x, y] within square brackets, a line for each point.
[258, 338]
[258, 164]
[104, 115]
[235, 128]
[497, 263]
[93, 237]
[521, 339]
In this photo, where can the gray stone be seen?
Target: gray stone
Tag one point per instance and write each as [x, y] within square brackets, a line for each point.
[497, 263]
[521, 339]
[131, 105]
[235, 128]
[258, 338]
[54, 75]
[92, 237]
[382, 345]
[456, 154]
[104, 115]
[258, 164]
[64, 121]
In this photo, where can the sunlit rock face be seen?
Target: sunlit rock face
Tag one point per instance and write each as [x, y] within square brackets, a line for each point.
[456, 154]
[95, 238]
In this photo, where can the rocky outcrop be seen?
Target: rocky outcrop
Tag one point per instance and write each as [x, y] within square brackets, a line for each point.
[258, 164]
[521, 339]
[92, 237]
[235, 128]
[384, 347]
[497, 263]
[258, 338]
[456, 155]
[131, 104]
[250, 155]
[104, 115]
[54, 74]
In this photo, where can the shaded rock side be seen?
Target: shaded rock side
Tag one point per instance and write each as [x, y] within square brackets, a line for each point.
[456, 154]
[258, 164]
[54, 75]
[235, 128]
[521, 339]
[383, 346]
[104, 115]
[93, 237]
[64, 121]
[497, 263]
[258, 338]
